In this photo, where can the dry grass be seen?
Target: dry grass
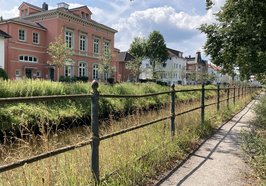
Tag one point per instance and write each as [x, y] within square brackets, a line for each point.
[126, 156]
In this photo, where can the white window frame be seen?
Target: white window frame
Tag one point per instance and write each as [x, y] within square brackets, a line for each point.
[83, 43]
[69, 71]
[33, 38]
[26, 58]
[25, 35]
[83, 69]
[96, 50]
[107, 47]
[95, 71]
[17, 74]
[69, 38]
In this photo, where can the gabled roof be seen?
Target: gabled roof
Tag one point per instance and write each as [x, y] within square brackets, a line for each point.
[175, 52]
[3, 34]
[125, 56]
[23, 21]
[30, 5]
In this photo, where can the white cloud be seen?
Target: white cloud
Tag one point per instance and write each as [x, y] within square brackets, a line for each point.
[7, 14]
[174, 26]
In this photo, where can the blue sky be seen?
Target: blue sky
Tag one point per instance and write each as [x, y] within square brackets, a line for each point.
[177, 20]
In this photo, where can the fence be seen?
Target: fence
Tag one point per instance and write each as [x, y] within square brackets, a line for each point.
[235, 92]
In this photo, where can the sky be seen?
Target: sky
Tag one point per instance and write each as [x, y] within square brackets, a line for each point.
[177, 20]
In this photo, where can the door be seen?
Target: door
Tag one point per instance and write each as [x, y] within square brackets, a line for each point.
[51, 74]
[28, 73]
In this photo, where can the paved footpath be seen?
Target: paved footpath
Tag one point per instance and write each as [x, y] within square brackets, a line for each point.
[218, 161]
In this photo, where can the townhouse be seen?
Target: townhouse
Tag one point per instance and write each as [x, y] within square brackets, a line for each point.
[26, 51]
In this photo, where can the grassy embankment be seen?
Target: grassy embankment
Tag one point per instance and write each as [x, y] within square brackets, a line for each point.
[127, 153]
[255, 142]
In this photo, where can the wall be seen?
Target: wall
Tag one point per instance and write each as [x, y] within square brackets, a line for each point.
[2, 53]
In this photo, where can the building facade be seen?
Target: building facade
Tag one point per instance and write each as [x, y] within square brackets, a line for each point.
[196, 69]
[36, 27]
[3, 36]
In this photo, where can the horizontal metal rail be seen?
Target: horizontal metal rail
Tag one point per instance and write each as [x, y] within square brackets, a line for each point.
[42, 156]
[41, 98]
[210, 104]
[188, 90]
[133, 96]
[132, 128]
[187, 111]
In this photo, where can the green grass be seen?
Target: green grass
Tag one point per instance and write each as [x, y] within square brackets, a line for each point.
[134, 158]
[255, 142]
[53, 113]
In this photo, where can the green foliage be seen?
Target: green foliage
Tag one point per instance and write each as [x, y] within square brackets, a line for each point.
[138, 50]
[3, 74]
[238, 39]
[156, 50]
[255, 141]
[76, 109]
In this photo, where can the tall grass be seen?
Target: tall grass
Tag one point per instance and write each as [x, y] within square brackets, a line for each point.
[255, 142]
[53, 113]
[134, 158]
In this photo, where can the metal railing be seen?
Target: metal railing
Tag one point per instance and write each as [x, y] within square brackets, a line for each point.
[230, 93]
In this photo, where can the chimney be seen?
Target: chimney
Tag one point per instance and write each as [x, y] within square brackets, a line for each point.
[44, 6]
[62, 5]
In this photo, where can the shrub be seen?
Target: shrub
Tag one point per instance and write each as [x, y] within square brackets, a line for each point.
[3, 74]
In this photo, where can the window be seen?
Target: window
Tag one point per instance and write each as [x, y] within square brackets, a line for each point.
[96, 46]
[35, 38]
[25, 58]
[17, 73]
[106, 47]
[83, 69]
[83, 15]
[38, 74]
[179, 66]
[69, 71]
[95, 71]
[21, 35]
[69, 38]
[82, 43]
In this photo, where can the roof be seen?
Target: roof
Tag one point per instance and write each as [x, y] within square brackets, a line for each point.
[30, 5]
[73, 9]
[175, 52]
[3, 34]
[125, 56]
[23, 21]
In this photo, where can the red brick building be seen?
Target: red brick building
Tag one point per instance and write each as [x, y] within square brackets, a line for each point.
[31, 32]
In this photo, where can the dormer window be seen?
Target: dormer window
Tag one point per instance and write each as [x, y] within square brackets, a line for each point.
[83, 15]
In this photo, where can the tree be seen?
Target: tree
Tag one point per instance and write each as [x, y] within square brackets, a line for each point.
[156, 50]
[137, 50]
[60, 53]
[238, 39]
[105, 65]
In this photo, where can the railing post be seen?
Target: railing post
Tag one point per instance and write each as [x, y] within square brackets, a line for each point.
[202, 103]
[234, 99]
[218, 96]
[228, 94]
[95, 134]
[238, 92]
[242, 91]
[172, 110]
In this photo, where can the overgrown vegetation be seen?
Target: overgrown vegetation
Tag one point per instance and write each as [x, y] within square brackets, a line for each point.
[255, 142]
[134, 158]
[62, 112]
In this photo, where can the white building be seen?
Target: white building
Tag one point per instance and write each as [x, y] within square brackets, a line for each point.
[3, 36]
[172, 71]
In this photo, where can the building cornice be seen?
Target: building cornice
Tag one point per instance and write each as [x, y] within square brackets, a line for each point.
[62, 13]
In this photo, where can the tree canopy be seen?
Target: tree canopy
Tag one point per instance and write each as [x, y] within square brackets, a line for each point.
[238, 38]
[137, 49]
[156, 49]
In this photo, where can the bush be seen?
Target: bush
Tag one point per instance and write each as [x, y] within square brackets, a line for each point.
[73, 79]
[111, 81]
[3, 74]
